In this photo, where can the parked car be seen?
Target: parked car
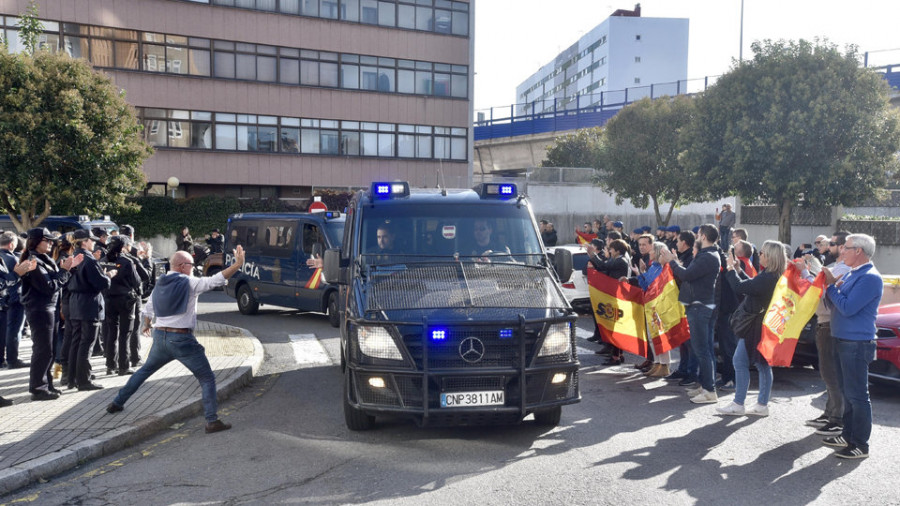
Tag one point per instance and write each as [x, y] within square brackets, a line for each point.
[575, 288]
[886, 367]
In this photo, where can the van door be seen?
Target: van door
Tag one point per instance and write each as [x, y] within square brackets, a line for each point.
[278, 262]
[310, 281]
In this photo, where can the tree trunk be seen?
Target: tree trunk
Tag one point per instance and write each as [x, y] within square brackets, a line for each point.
[784, 220]
[659, 220]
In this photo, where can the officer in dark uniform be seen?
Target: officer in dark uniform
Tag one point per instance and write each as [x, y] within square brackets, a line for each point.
[143, 271]
[86, 306]
[40, 292]
[215, 241]
[121, 297]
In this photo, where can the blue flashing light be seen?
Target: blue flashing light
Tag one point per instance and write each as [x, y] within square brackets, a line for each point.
[438, 334]
[332, 214]
[388, 190]
[506, 333]
[500, 191]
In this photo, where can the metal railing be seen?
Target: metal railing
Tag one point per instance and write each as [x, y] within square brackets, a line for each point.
[595, 109]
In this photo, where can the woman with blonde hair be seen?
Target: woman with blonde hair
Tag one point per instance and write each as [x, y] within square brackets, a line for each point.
[758, 293]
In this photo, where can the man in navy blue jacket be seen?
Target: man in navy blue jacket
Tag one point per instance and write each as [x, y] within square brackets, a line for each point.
[698, 295]
[15, 311]
[856, 296]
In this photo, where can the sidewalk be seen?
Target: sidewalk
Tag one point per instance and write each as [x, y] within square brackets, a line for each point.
[41, 439]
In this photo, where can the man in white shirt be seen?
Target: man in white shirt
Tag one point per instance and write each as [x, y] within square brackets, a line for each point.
[174, 305]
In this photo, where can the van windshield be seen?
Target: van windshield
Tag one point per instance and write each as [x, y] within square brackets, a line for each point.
[395, 234]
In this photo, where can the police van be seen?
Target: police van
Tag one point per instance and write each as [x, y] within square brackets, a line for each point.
[452, 313]
[275, 271]
[64, 224]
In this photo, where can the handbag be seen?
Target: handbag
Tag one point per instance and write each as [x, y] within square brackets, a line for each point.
[743, 322]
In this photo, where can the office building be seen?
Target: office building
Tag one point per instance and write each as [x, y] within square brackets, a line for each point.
[276, 98]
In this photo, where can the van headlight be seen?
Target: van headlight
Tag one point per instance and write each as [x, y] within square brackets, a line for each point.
[558, 340]
[376, 342]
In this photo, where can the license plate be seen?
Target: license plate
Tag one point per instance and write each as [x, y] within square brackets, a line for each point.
[467, 399]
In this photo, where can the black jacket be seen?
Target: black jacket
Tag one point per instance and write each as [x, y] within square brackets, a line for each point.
[614, 267]
[698, 280]
[758, 293]
[126, 282]
[41, 287]
[549, 238]
[87, 282]
[216, 245]
[14, 289]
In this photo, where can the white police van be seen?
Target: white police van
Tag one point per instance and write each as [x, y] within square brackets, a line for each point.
[275, 271]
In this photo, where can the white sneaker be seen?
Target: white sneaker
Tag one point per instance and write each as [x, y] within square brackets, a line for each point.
[731, 409]
[692, 392]
[705, 397]
[757, 410]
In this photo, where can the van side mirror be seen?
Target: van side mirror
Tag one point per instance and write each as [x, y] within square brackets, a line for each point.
[562, 263]
[331, 267]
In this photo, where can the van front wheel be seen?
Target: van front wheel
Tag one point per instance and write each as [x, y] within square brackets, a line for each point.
[356, 419]
[246, 303]
[334, 316]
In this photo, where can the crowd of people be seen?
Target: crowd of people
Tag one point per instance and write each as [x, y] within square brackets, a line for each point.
[80, 295]
[721, 276]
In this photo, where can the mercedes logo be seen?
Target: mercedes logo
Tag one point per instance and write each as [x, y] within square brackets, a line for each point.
[471, 350]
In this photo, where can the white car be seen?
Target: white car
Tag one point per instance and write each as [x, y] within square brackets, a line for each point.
[576, 287]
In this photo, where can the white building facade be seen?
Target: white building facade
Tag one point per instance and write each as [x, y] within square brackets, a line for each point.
[624, 58]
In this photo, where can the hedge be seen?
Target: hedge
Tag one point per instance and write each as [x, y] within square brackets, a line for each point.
[166, 216]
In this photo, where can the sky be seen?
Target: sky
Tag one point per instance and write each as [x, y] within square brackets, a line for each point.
[514, 38]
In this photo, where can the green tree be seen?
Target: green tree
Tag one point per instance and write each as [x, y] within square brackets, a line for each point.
[581, 149]
[800, 123]
[641, 161]
[68, 139]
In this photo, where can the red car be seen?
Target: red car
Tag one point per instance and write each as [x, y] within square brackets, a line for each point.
[886, 367]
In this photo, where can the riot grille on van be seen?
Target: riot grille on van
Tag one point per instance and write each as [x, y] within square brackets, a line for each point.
[462, 285]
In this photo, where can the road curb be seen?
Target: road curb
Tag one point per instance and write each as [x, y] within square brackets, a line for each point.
[45, 466]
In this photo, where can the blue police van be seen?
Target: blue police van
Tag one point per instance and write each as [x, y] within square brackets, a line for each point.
[452, 312]
[276, 271]
[64, 224]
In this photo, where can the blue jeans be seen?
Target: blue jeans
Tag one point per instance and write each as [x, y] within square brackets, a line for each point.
[727, 345]
[742, 376]
[687, 364]
[700, 321]
[853, 359]
[169, 346]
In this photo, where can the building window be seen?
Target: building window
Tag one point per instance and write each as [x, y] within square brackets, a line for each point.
[176, 54]
[637, 80]
[637, 37]
[637, 59]
[180, 129]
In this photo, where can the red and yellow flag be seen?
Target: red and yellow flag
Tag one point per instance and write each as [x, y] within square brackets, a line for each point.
[793, 304]
[584, 238]
[668, 325]
[315, 281]
[619, 312]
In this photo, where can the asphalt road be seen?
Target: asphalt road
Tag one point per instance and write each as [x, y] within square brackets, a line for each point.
[629, 441]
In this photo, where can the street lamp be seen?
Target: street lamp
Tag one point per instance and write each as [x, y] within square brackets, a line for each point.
[172, 184]
[741, 49]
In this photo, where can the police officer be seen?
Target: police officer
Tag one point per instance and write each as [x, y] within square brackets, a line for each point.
[86, 306]
[144, 269]
[215, 241]
[15, 313]
[121, 297]
[40, 292]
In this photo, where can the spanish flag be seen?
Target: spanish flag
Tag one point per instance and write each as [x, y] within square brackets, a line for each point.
[668, 325]
[315, 281]
[584, 238]
[619, 312]
[793, 304]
